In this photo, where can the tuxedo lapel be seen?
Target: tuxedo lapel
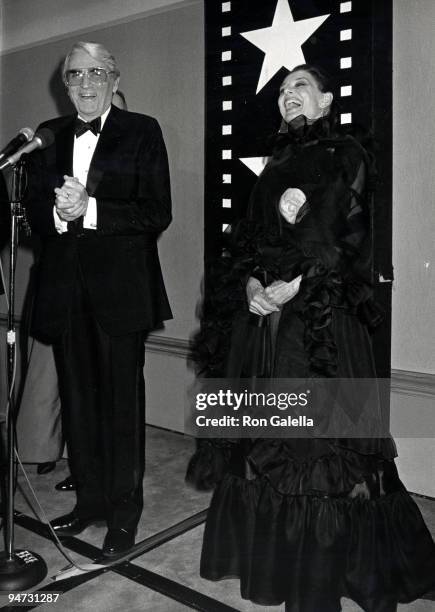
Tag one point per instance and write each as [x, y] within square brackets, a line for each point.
[65, 148]
[105, 149]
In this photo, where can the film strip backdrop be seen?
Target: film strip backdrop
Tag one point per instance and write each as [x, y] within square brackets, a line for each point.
[250, 44]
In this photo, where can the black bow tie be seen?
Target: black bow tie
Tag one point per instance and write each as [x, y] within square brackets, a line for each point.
[81, 127]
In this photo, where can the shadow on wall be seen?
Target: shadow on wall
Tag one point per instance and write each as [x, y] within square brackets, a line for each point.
[58, 92]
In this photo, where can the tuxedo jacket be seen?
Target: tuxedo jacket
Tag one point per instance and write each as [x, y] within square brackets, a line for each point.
[119, 262]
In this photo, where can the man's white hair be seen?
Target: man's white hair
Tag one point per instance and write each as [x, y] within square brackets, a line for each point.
[99, 52]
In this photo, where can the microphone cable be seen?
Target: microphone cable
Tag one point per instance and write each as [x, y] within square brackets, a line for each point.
[3, 280]
[42, 517]
[74, 568]
[14, 371]
[14, 431]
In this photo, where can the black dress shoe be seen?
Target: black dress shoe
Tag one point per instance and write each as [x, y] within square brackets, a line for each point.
[46, 468]
[118, 542]
[70, 524]
[66, 485]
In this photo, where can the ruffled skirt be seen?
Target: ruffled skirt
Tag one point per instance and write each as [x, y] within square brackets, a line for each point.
[307, 522]
[308, 549]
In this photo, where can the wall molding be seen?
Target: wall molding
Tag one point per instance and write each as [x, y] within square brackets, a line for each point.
[407, 382]
[402, 381]
[176, 347]
[155, 343]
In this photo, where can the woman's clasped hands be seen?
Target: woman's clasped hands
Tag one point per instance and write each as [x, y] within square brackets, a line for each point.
[265, 300]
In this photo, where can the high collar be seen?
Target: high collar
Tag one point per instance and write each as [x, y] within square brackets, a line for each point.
[299, 130]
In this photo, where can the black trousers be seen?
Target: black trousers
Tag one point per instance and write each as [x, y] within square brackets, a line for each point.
[102, 395]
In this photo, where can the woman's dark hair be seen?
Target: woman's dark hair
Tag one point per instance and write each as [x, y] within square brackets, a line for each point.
[323, 80]
[324, 83]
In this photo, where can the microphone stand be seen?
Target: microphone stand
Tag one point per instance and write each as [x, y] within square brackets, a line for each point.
[19, 569]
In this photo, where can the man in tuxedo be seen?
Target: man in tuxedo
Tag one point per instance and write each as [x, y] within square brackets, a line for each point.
[39, 424]
[99, 197]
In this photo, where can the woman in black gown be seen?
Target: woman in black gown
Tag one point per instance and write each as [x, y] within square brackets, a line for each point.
[307, 521]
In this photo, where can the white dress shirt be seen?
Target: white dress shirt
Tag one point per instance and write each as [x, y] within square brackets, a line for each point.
[84, 148]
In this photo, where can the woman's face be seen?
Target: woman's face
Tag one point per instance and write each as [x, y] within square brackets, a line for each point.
[300, 95]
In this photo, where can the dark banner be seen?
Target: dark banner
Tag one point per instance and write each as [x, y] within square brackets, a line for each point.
[301, 408]
[250, 46]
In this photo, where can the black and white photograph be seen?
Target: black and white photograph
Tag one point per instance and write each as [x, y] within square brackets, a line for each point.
[217, 331]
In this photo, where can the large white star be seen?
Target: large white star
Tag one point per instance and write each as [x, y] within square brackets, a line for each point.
[282, 41]
[255, 164]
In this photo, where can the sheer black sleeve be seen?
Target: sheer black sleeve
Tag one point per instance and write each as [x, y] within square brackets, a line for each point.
[357, 245]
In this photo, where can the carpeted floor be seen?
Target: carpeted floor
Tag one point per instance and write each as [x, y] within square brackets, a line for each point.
[163, 578]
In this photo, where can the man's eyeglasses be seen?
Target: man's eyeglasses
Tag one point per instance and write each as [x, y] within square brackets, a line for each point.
[96, 76]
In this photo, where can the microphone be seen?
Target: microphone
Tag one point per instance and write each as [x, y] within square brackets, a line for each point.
[24, 135]
[42, 139]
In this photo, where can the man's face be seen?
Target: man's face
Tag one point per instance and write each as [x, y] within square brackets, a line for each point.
[90, 98]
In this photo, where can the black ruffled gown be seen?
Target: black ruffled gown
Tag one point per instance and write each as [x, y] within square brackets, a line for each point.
[283, 517]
